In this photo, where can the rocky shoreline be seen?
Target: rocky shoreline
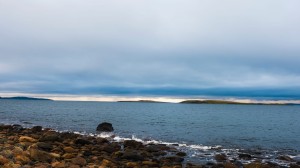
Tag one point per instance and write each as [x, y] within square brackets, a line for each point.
[45, 148]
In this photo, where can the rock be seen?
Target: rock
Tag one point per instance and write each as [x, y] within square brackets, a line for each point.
[73, 166]
[23, 159]
[132, 164]
[44, 146]
[105, 127]
[58, 165]
[229, 165]
[79, 161]
[132, 155]
[69, 149]
[68, 156]
[220, 157]
[55, 155]
[53, 136]
[39, 155]
[108, 148]
[42, 165]
[160, 153]
[68, 135]
[36, 129]
[153, 148]
[7, 153]
[173, 159]
[181, 154]
[107, 163]
[294, 166]
[102, 140]
[87, 153]
[245, 156]
[3, 160]
[17, 127]
[254, 165]
[133, 144]
[17, 151]
[82, 142]
[11, 165]
[285, 158]
[27, 139]
[150, 163]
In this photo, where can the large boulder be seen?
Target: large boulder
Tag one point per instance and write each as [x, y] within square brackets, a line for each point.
[105, 127]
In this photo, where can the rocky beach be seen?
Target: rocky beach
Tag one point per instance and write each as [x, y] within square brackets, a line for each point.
[45, 148]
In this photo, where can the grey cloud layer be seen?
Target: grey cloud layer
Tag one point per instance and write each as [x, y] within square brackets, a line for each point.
[49, 46]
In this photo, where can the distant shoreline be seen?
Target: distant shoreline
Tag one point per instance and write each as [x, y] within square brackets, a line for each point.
[182, 101]
[23, 98]
[207, 102]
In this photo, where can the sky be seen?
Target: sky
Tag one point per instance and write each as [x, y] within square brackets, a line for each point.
[158, 48]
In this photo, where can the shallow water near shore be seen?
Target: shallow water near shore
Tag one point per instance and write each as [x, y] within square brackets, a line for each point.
[264, 131]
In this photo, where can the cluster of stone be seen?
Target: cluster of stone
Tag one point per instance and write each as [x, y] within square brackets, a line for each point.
[46, 148]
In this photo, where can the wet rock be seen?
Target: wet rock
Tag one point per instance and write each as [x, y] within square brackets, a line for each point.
[285, 158]
[102, 140]
[294, 166]
[36, 129]
[173, 159]
[44, 146]
[82, 142]
[254, 165]
[105, 127]
[156, 148]
[132, 155]
[27, 139]
[229, 165]
[79, 161]
[87, 153]
[108, 148]
[16, 127]
[160, 153]
[181, 154]
[220, 157]
[53, 136]
[245, 156]
[132, 144]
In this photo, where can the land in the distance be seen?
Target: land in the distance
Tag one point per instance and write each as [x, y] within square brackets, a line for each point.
[141, 101]
[23, 98]
[192, 101]
[209, 102]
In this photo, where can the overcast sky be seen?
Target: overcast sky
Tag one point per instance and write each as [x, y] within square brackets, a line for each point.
[149, 47]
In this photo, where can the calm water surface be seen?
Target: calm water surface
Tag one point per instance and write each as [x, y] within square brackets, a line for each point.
[270, 127]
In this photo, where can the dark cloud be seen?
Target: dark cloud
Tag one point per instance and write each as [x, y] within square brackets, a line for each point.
[141, 47]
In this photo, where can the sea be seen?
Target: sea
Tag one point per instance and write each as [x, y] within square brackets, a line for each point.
[201, 130]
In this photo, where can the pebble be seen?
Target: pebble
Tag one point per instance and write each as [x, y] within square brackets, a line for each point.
[45, 148]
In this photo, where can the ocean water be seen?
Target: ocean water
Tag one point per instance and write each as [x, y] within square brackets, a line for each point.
[201, 130]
